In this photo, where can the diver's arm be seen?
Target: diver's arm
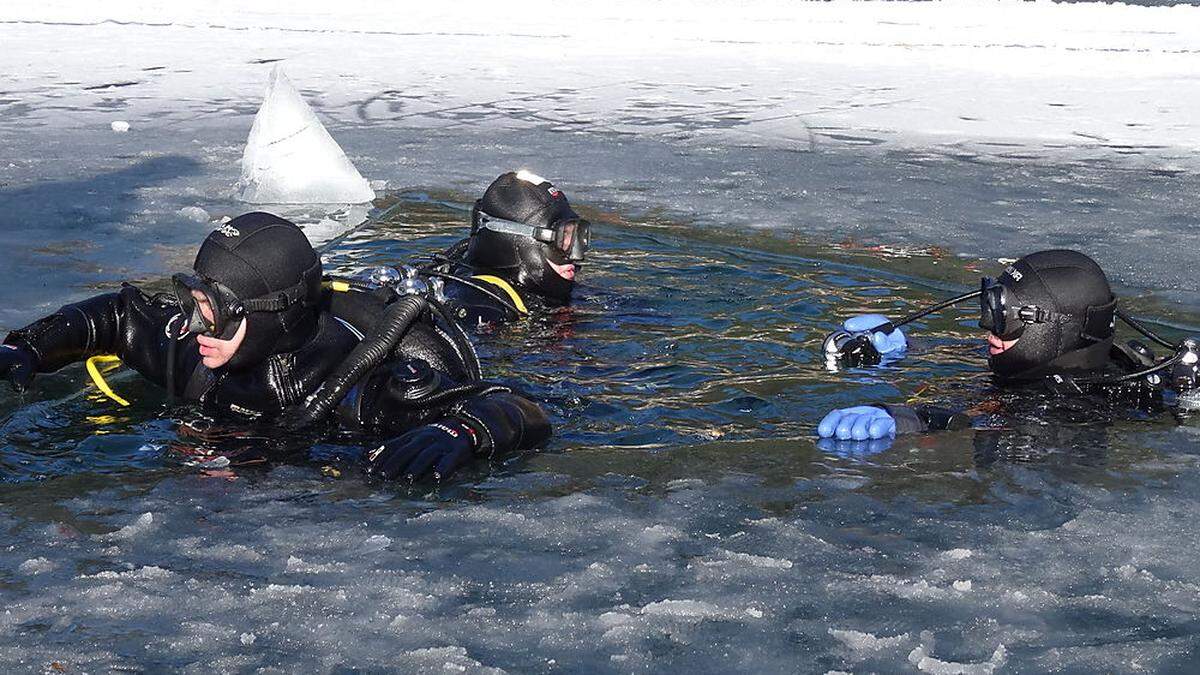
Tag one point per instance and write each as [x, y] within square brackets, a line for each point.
[867, 422]
[447, 425]
[503, 422]
[127, 323]
[922, 418]
[73, 333]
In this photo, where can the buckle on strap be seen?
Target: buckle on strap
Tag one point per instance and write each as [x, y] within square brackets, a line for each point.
[1035, 314]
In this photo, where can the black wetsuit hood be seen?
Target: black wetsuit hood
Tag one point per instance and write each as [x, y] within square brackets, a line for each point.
[256, 255]
[522, 261]
[1079, 338]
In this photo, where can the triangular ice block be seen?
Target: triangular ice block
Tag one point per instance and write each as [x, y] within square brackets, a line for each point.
[291, 159]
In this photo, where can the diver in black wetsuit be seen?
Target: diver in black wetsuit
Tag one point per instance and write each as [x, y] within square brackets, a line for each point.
[1051, 321]
[524, 252]
[254, 334]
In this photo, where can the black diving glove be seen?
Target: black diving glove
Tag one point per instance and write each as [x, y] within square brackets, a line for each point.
[439, 449]
[17, 366]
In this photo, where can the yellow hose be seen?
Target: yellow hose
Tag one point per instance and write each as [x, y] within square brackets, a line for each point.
[98, 378]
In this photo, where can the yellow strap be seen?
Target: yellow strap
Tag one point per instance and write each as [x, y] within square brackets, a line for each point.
[339, 286]
[98, 378]
[512, 293]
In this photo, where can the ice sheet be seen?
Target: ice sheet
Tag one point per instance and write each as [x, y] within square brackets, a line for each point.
[990, 128]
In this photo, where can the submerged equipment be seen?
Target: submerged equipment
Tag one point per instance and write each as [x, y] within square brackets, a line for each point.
[1059, 308]
[411, 298]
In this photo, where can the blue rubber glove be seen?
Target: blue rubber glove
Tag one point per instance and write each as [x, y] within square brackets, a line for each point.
[859, 423]
[890, 345]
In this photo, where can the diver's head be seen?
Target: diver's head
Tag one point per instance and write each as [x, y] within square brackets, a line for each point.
[254, 293]
[1051, 311]
[524, 230]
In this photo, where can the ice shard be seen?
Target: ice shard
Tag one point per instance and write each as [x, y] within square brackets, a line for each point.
[291, 159]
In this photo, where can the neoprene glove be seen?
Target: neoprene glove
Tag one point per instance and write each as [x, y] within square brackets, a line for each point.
[440, 448]
[859, 423]
[890, 345]
[17, 366]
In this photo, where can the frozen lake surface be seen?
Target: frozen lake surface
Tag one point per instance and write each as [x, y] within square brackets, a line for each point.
[742, 167]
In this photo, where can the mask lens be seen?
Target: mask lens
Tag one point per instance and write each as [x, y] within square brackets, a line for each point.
[991, 306]
[203, 306]
[572, 239]
[994, 311]
[566, 236]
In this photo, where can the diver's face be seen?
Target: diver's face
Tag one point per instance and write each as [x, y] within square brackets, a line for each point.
[214, 352]
[998, 346]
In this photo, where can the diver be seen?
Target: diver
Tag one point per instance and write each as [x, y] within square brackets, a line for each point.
[1051, 321]
[524, 252]
[256, 332]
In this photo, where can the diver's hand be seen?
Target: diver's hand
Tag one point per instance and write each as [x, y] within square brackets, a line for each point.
[17, 366]
[859, 423]
[891, 345]
[440, 448]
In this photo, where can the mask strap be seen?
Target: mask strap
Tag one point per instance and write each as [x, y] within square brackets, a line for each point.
[1098, 323]
[281, 300]
[476, 211]
[512, 227]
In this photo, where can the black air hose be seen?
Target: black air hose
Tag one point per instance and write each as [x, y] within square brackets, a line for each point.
[461, 342]
[373, 349]
[453, 395]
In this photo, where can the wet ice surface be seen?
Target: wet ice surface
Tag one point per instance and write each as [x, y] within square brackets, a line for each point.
[683, 517]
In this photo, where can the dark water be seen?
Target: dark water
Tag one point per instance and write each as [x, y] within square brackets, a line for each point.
[682, 517]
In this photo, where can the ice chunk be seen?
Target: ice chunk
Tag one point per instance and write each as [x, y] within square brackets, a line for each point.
[194, 213]
[957, 554]
[291, 159]
[143, 524]
[859, 641]
[750, 560]
[149, 572]
[120, 126]
[35, 566]
[377, 542]
[685, 609]
[920, 658]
